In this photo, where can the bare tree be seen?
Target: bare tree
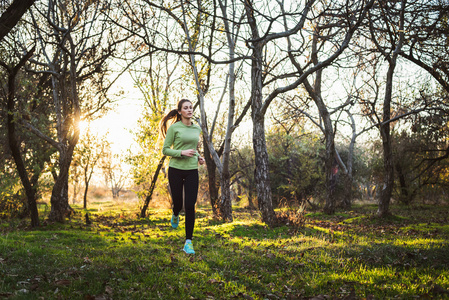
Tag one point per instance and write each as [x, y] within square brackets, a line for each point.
[192, 41]
[156, 85]
[12, 15]
[115, 176]
[195, 26]
[30, 188]
[387, 18]
[296, 48]
[425, 41]
[87, 156]
[71, 37]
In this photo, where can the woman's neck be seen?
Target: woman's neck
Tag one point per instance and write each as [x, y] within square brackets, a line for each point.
[186, 121]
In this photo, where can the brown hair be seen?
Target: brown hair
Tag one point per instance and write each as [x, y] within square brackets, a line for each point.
[173, 114]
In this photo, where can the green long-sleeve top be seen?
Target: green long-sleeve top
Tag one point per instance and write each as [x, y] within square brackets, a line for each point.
[182, 137]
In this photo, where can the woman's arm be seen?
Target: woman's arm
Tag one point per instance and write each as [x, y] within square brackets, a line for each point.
[168, 142]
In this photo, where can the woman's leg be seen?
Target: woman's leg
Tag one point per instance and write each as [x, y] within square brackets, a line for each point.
[176, 182]
[190, 193]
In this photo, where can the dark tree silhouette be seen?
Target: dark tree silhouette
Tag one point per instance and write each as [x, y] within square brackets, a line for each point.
[12, 15]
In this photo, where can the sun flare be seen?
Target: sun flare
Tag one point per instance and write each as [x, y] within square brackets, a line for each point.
[114, 127]
[83, 126]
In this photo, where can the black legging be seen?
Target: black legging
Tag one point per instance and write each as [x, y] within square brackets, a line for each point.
[187, 179]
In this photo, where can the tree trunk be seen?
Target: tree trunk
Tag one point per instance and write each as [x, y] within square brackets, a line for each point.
[212, 180]
[75, 182]
[12, 15]
[261, 173]
[143, 212]
[329, 157]
[348, 177]
[14, 145]
[226, 202]
[347, 195]
[404, 195]
[59, 200]
[250, 198]
[388, 179]
[86, 188]
[329, 207]
[315, 92]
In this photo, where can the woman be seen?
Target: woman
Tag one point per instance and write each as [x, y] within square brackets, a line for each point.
[181, 141]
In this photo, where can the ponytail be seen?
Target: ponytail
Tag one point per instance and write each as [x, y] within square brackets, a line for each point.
[173, 114]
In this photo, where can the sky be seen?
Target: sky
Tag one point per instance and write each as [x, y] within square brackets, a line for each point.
[118, 123]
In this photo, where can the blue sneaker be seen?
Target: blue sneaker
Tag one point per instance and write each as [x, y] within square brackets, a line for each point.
[188, 248]
[174, 221]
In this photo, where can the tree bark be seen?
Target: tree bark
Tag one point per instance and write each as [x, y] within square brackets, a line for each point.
[59, 200]
[143, 212]
[388, 180]
[212, 180]
[402, 183]
[86, 188]
[14, 145]
[347, 195]
[329, 207]
[261, 173]
[329, 157]
[12, 15]
[328, 130]
[226, 202]
[348, 177]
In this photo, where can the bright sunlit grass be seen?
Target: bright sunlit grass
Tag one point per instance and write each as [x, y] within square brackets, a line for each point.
[123, 256]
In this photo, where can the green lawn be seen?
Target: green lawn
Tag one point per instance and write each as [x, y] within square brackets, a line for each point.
[351, 255]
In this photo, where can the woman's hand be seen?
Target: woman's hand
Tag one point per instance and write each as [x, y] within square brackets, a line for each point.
[189, 152]
[201, 160]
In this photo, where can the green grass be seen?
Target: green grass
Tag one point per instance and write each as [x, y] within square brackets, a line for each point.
[350, 255]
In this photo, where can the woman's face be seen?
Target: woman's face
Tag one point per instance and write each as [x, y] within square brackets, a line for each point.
[186, 111]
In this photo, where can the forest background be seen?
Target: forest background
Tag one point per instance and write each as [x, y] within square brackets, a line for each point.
[325, 134]
[312, 104]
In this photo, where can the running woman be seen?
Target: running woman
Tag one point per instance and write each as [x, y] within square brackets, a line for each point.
[181, 141]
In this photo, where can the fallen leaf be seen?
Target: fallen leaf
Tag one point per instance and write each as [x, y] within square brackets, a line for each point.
[212, 281]
[63, 282]
[5, 295]
[87, 260]
[108, 290]
[243, 296]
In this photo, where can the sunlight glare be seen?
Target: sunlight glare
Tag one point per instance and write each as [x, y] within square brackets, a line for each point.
[83, 126]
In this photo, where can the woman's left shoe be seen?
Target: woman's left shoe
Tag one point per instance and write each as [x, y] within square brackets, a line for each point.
[188, 248]
[174, 221]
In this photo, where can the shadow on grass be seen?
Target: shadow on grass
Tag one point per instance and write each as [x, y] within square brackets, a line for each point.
[124, 257]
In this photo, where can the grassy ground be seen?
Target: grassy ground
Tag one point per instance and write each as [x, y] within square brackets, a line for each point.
[351, 255]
